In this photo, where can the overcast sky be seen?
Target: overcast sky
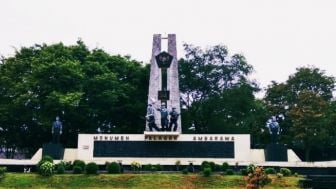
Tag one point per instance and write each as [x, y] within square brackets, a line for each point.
[275, 36]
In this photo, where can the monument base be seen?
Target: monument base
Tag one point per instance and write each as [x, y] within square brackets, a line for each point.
[164, 145]
[276, 152]
[54, 150]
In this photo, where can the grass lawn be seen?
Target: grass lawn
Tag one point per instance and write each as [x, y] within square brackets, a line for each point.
[140, 181]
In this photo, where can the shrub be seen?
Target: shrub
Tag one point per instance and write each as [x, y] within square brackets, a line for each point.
[258, 178]
[91, 168]
[205, 164]
[286, 172]
[185, 171]
[218, 167]
[44, 159]
[77, 169]
[210, 164]
[270, 170]
[279, 175]
[113, 168]
[243, 172]
[46, 169]
[135, 165]
[207, 171]
[67, 165]
[2, 172]
[229, 172]
[60, 169]
[153, 168]
[147, 167]
[79, 163]
[296, 174]
[225, 166]
[47, 158]
[250, 168]
[158, 167]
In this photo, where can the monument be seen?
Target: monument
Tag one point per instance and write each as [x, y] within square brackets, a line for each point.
[163, 136]
[275, 151]
[54, 148]
[164, 83]
[163, 141]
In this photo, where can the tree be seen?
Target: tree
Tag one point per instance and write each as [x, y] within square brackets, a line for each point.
[281, 97]
[87, 89]
[215, 90]
[310, 124]
[292, 99]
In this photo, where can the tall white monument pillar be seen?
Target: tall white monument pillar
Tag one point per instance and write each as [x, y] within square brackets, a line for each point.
[157, 80]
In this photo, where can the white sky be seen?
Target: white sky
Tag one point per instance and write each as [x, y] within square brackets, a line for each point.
[276, 36]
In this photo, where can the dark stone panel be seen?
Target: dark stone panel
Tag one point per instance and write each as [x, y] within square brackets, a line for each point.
[56, 151]
[163, 149]
[276, 152]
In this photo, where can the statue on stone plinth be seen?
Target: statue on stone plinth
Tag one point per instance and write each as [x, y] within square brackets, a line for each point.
[151, 118]
[173, 119]
[56, 130]
[274, 127]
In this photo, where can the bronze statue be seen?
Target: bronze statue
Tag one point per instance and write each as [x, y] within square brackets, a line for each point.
[150, 118]
[56, 130]
[164, 117]
[173, 119]
[274, 127]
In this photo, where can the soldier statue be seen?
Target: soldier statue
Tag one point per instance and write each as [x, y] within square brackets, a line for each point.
[56, 130]
[173, 119]
[274, 128]
[164, 117]
[151, 118]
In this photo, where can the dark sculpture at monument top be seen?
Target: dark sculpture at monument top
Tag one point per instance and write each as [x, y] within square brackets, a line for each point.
[56, 130]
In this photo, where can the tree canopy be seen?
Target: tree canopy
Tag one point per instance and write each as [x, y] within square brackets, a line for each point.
[87, 89]
[216, 91]
[306, 101]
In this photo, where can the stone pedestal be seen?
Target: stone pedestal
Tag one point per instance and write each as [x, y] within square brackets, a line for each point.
[54, 150]
[276, 152]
